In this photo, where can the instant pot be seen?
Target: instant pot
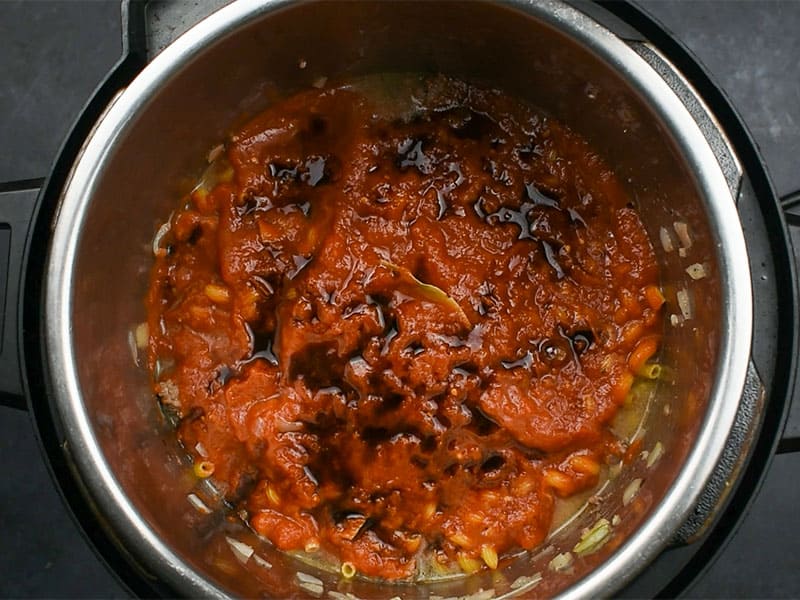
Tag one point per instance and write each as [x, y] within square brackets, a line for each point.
[606, 70]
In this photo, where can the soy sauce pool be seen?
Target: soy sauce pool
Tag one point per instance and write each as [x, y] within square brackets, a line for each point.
[429, 301]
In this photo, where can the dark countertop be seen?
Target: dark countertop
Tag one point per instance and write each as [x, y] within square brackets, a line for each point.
[52, 55]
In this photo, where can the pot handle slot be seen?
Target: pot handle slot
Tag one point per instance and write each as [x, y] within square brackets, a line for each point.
[17, 201]
[26, 208]
[790, 440]
[735, 457]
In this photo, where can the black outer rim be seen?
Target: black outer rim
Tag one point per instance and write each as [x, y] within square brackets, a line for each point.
[36, 378]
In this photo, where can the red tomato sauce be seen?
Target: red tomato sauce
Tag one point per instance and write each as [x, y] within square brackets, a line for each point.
[402, 337]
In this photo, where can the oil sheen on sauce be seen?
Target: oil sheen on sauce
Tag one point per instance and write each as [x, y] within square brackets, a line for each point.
[398, 317]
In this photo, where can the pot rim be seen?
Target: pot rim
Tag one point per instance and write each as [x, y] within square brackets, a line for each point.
[91, 467]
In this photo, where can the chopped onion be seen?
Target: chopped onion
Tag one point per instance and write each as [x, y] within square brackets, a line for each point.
[684, 303]
[261, 562]
[526, 582]
[547, 550]
[306, 578]
[666, 240]
[217, 490]
[561, 561]
[162, 231]
[351, 596]
[132, 346]
[682, 230]
[215, 152]
[481, 595]
[631, 491]
[593, 539]
[201, 450]
[696, 271]
[655, 454]
[616, 520]
[198, 504]
[241, 551]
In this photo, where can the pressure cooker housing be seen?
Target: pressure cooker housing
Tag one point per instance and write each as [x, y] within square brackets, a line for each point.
[151, 144]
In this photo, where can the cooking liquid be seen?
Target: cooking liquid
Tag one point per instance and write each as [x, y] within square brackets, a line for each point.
[401, 316]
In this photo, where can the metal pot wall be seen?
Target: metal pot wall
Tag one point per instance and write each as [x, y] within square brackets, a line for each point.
[151, 142]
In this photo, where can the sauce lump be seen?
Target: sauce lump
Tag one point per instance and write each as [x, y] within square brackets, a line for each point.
[398, 335]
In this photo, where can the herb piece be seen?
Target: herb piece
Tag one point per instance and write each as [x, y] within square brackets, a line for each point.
[426, 291]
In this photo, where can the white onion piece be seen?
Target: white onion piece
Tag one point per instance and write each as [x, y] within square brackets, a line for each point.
[132, 346]
[162, 231]
[215, 152]
[655, 454]
[201, 450]
[306, 578]
[561, 561]
[198, 504]
[696, 271]
[684, 303]
[241, 551]
[682, 231]
[666, 240]
[526, 582]
[631, 491]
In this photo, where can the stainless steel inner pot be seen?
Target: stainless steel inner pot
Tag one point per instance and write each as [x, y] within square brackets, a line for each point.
[152, 143]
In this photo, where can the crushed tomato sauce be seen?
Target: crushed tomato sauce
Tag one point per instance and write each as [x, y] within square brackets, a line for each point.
[398, 336]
